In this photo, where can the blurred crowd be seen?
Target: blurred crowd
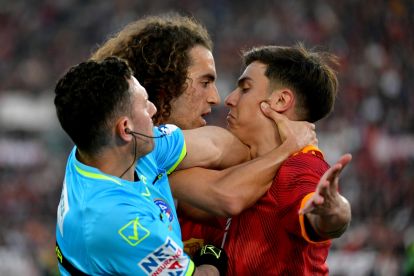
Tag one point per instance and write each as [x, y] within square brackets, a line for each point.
[373, 117]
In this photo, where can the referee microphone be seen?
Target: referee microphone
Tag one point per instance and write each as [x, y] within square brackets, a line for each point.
[133, 133]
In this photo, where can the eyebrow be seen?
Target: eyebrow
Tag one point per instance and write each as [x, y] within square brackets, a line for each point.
[242, 80]
[209, 76]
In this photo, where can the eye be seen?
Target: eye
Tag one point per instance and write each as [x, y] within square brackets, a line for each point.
[244, 89]
[205, 83]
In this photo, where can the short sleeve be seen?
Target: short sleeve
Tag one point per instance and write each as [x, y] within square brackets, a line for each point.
[297, 180]
[170, 149]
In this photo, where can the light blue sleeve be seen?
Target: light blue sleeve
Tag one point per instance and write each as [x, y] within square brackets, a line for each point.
[169, 150]
[134, 240]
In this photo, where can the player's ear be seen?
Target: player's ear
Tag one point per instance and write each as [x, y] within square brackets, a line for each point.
[282, 100]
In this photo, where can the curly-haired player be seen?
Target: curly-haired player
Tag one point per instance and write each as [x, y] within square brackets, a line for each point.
[171, 56]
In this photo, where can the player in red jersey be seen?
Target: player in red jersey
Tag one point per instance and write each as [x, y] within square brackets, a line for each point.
[272, 237]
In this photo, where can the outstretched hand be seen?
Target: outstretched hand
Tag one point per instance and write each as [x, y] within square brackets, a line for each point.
[300, 133]
[326, 197]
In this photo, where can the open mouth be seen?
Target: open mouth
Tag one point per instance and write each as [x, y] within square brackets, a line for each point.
[205, 114]
[202, 116]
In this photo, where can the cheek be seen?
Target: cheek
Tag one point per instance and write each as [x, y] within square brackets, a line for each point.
[197, 100]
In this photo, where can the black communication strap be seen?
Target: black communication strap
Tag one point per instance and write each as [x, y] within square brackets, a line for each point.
[65, 263]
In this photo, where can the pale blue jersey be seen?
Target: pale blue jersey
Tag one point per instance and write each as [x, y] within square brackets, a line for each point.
[107, 225]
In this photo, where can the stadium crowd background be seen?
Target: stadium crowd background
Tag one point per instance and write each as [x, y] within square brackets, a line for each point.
[373, 118]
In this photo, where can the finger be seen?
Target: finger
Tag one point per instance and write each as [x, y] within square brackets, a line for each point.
[315, 141]
[269, 112]
[337, 170]
[314, 202]
[307, 208]
[333, 171]
[318, 200]
[345, 159]
[324, 188]
[329, 181]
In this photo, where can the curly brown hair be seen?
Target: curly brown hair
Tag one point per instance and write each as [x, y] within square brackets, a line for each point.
[157, 49]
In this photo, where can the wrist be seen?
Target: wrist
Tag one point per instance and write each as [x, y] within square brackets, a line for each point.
[289, 147]
[334, 224]
[213, 256]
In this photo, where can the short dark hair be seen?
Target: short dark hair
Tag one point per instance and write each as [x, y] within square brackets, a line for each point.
[157, 49]
[308, 73]
[89, 97]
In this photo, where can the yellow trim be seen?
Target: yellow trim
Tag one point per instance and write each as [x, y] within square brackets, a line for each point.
[58, 254]
[182, 155]
[302, 222]
[96, 175]
[309, 149]
[147, 193]
[190, 269]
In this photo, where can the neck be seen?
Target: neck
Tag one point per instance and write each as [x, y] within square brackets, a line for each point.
[265, 142]
[110, 161]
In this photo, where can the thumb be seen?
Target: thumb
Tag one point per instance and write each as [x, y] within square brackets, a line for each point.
[272, 114]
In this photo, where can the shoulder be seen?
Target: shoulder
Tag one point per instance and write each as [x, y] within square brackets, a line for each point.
[306, 164]
[167, 130]
[306, 159]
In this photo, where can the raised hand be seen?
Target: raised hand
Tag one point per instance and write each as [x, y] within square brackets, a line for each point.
[326, 198]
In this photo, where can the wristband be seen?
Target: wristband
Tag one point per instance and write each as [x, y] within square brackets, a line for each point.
[211, 255]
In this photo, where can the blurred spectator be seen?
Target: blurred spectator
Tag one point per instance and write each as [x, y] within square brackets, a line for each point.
[373, 118]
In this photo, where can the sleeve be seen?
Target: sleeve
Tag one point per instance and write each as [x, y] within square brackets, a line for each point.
[134, 240]
[300, 177]
[170, 150]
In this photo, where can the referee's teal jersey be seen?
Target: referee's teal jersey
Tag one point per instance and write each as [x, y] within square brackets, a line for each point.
[107, 225]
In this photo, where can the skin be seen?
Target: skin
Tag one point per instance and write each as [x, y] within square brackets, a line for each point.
[121, 150]
[188, 110]
[206, 146]
[245, 118]
[251, 106]
[330, 212]
[141, 116]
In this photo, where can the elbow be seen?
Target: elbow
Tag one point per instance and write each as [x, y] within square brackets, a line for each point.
[231, 205]
[233, 209]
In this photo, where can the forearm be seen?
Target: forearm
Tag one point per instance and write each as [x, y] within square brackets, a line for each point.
[228, 192]
[213, 148]
[333, 224]
[189, 211]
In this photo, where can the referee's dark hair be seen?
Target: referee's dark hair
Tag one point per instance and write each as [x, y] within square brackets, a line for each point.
[88, 97]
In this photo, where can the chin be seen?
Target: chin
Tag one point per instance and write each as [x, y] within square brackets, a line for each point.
[195, 124]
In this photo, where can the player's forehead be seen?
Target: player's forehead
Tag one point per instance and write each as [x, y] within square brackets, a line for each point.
[201, 63]
[254, 74]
